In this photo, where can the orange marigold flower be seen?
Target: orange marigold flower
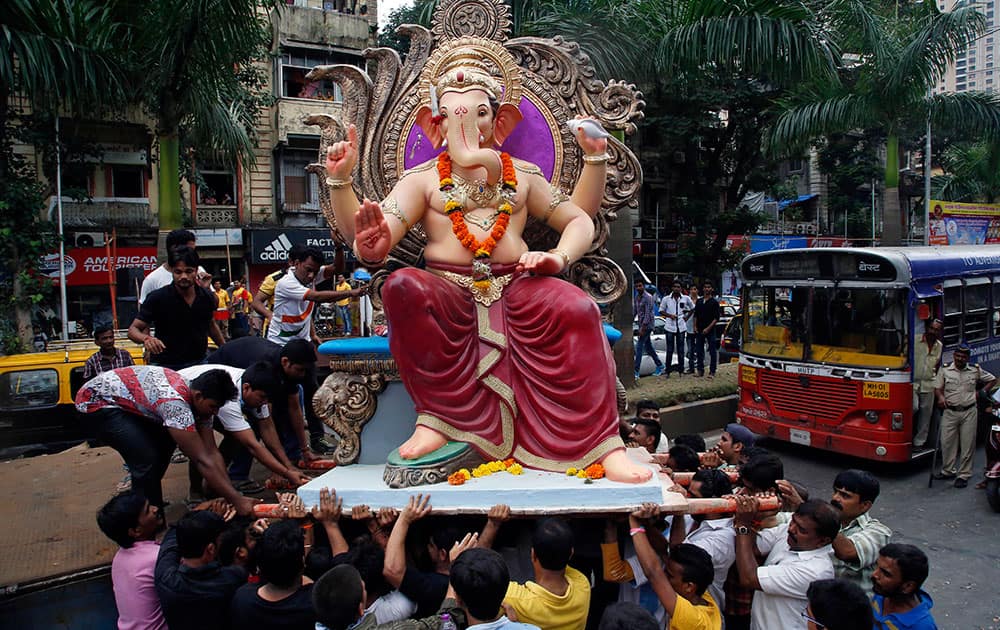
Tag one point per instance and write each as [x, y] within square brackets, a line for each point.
[595, 471]
[456, 478]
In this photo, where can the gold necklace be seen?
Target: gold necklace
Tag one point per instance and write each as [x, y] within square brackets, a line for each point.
[477, 191]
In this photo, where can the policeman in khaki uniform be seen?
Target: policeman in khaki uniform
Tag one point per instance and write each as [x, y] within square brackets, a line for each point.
[926, 359]
[956, 389]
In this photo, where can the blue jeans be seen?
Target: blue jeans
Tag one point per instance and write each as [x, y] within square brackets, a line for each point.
[645, 346]
[144, 444]
[345, 314]
[700, 341]
[677, 339]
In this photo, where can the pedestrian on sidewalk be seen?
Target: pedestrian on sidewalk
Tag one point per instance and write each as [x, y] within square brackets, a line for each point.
[706, 316]
[690, 335]
[645, 314]
[676, 308]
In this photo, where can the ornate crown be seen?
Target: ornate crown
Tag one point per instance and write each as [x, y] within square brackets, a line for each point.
[472, 63]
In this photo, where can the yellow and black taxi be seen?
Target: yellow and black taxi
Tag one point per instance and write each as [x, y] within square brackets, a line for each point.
[37, 391]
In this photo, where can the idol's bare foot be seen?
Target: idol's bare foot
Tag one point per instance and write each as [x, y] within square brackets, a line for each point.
[422, 441]
[618, 467]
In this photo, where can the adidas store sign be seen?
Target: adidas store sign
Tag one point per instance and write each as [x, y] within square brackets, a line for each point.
[270, 247]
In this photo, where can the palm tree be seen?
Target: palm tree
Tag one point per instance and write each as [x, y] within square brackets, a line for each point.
[971, 173]
[195, 71]
[887, 83]
[54, 54]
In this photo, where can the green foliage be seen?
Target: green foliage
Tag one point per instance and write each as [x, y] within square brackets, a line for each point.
[415, 13]
[24, 239]
[972, 173]
[851, 164]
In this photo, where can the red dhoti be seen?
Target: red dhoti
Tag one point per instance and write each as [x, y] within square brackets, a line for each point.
[529, 376]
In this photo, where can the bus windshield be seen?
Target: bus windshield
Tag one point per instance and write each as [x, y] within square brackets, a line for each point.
[834, 325]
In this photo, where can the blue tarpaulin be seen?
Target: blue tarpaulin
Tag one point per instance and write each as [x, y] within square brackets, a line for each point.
[784, 203]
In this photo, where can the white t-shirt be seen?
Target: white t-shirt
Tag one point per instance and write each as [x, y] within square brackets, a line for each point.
[718, 538]
[157, 279]
[231, 413]
[681, 306]
[292, 311]
[393, 606]
[784, 580]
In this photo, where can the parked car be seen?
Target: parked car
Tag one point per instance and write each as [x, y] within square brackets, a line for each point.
[729, 300]
[36, 397]
[732, 337]
[659, 340]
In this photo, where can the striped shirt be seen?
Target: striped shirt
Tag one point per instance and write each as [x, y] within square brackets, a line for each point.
[868, 536]
[150, 391]
[98, 363]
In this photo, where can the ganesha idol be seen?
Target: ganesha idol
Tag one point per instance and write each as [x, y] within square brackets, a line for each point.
[494, 350]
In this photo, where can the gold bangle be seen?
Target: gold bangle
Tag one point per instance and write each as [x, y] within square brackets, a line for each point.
[559, 252]
[365, 261]
[596, 159]
[391, 206]
[337, 184]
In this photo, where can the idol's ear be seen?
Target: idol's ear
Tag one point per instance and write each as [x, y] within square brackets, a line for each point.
[425, 118]
[507, 117]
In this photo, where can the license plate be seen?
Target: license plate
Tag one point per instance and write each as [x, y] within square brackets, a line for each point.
[877, 391]
[799, 436]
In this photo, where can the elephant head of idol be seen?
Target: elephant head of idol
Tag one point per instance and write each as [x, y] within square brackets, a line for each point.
[472, 89]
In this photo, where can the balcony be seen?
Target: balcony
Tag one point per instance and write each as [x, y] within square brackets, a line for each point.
[216, 216]
[320, 26]
[291, 113]
[105, 213]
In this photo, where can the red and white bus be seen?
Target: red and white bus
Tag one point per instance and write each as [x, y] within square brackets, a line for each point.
[828, 335]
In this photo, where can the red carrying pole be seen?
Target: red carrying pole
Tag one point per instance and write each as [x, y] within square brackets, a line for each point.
[112, 256]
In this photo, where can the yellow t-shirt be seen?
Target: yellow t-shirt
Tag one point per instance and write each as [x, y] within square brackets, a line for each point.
[537, 606]
[223, 300]
[687, 616]
[344, 286]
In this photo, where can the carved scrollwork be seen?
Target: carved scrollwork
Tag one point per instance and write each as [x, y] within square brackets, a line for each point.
[346, 402]
[600, 277]
[489, 19]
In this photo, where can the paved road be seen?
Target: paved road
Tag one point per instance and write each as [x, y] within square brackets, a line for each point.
[955, 528]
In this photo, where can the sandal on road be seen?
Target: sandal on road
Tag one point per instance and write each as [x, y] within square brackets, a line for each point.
[248, 486]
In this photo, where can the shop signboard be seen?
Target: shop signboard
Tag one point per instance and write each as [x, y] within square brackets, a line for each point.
[88, 266]
[270, 246]
[953, 223]
[219, 237]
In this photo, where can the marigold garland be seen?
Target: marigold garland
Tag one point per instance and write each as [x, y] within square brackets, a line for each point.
[485, 470]
[594, 471]
[456, 211]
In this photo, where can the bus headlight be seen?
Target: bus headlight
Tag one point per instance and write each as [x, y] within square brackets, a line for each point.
[897, 421]
[871, 416]
[757, 398]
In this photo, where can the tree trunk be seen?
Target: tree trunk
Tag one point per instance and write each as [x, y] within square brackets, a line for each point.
[22, 312]
[168, 192]
[892, 218]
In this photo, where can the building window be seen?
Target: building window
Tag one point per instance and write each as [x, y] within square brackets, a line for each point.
[219, 188]
[295, 64]
[795, 166]
[127, 181]
[299, 188]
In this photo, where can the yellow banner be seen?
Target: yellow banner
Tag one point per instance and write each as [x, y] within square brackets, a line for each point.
[954, 223]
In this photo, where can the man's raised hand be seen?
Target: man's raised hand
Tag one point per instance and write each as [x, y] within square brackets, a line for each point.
[417, 508]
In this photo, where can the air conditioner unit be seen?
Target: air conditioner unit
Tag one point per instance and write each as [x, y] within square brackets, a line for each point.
[637, 231]
[88, 239]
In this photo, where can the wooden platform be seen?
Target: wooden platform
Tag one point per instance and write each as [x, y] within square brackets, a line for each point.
[532, 493]
[49, 513]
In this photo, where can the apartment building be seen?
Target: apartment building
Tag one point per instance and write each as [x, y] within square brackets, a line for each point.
[975, 69]
[238, 214]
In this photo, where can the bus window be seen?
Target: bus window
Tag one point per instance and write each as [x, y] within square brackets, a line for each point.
[996, 307]
[775, 321]
[856, 326]
[977, 306]
[952, 315]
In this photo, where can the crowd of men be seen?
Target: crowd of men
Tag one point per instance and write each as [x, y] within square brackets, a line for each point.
[691, 321]
[811, 563]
